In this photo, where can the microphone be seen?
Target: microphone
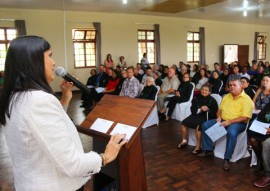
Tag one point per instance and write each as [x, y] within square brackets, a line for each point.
[60, 71]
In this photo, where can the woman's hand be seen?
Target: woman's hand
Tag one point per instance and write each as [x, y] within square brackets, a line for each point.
[177, 93]
[204, 108]
[66, 92]
[113, 147]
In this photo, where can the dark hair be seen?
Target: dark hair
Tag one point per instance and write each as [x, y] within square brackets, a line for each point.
[207, 85]
[24, 70]
[245, 78]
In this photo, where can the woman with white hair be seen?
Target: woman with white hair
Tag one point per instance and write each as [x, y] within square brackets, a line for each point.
[149, 90]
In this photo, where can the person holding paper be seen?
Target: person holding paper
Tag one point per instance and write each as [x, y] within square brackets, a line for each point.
[43, 143]
[234, 112]
[256, 139]
[110, 87]
[202, 105]
[261, 146]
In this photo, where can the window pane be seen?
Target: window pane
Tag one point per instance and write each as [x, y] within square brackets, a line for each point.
[2, 34]
[150, 35]
[11, 34]
[91, 35]
[190, 36]
[141, 35]
[79, 35]
[196, 36]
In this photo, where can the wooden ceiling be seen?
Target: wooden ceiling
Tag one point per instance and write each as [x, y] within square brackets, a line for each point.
[176, 6]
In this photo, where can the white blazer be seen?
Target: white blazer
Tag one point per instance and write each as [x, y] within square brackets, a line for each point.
[45, 147]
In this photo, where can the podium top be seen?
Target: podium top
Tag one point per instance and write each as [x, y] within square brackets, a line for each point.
[125, 110]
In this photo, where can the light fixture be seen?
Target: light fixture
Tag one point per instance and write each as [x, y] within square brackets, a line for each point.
[245, 7]
[124, 2]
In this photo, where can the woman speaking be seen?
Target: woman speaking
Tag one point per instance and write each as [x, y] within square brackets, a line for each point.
[43, 143]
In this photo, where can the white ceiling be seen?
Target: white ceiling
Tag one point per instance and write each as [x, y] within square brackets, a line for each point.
[229, 10]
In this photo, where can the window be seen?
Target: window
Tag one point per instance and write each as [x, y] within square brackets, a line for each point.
[6, 35]
[146, 44]
[84, 42]
[193, 47]
[261, 47]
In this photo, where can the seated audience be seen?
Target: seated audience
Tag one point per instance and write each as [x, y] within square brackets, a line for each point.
[139, 68]
[123, 77]
[266, 67]
[90, 82]
[256, 139]
[169, 85]
[195, 69]
[131, 85]
[256, 80]
[234, 112]
[217, 68]
[244, 72]
[110, 88]
[224, 77]
[122, 62]
[261, 146]
[158, 81]
[165, 72]
[155, 68]
[253, 70]
[148, 73]
[248, 90]
[262, 96]
[138, 75]
[201, 105]
[102, 79]
[149, 91]
[215, 82]
[182, 94]
[235, 74]
[203, 80]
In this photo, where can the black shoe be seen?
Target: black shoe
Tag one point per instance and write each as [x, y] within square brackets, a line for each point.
[226, 165]
[206, 154]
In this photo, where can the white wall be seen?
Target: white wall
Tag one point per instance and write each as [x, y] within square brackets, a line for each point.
[119, 35]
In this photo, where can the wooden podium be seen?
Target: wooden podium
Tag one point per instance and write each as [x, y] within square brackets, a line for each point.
[128, 169]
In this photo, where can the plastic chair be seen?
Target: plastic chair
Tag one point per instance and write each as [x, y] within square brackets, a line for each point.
[240, 151]
[182, 110]
[192, 132]
[153, 117]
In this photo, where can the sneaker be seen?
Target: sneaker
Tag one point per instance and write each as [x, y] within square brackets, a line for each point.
[265, 181]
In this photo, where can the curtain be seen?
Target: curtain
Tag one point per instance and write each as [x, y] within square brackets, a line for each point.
[98, 43]
[157, 40]
[202, 46]
[20, 27]
[255, 46]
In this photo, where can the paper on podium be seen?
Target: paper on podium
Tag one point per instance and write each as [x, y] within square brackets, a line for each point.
[124, 129]
[216, 132]
[259, 127]
[101, 125]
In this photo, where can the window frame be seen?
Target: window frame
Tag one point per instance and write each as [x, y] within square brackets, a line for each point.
[193, 42]
[146, 41]
[261, 47]
[6, 42]
[84, 41]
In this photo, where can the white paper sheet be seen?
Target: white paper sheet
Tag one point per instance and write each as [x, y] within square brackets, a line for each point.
[124, 129]
[101, 125]
[256, 111]
[216, 132]
[90, 86]
[259, 127]
[99, 89]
